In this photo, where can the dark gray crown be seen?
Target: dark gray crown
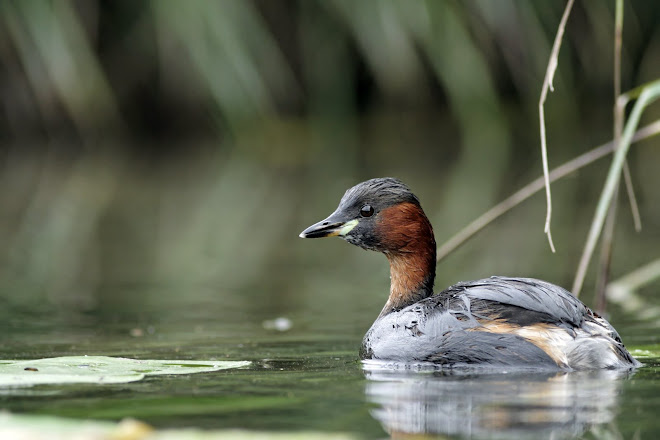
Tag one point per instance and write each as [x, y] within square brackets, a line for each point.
[386, 191]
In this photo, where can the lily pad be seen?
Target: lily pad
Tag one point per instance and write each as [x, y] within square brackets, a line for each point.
[98, 369]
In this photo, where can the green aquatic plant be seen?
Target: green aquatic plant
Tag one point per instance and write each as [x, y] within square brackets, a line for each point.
[98, 369]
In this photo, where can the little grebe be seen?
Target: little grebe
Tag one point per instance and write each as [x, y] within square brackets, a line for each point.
[497, 321]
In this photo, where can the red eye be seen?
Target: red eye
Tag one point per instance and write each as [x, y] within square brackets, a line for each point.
[367, 211]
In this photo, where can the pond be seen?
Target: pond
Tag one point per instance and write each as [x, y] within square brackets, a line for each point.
[307, 378]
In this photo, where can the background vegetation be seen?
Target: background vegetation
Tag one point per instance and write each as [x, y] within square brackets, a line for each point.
[161, 153]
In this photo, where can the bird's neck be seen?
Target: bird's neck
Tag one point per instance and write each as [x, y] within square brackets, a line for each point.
[412, 264]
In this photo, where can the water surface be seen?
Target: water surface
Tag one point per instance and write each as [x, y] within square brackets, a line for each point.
[309, 378]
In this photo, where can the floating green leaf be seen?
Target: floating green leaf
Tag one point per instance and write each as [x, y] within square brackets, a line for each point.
[98, 369]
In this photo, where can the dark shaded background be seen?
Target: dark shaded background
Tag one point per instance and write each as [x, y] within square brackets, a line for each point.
[163, 151]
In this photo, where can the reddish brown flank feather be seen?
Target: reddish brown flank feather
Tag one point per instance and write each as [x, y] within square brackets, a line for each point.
[407, 238]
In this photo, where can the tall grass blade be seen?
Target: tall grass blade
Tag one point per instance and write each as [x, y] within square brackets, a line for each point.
[650, 93]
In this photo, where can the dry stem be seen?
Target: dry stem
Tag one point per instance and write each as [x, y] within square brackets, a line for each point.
[547, 85]
[535, 186]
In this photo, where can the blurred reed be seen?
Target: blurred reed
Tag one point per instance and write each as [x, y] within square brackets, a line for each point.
[187, 142]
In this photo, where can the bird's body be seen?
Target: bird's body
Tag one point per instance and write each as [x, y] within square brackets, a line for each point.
[498, 321]
[493, 322]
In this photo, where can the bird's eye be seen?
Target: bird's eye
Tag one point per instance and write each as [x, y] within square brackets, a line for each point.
[367, 211]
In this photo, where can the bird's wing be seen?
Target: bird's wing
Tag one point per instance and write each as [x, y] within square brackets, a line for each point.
[526, 293]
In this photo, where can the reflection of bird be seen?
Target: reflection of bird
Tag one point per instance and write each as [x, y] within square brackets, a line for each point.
[517, 405]
[496, 321]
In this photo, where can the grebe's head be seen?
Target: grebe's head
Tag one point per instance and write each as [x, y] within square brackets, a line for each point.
[379, 214]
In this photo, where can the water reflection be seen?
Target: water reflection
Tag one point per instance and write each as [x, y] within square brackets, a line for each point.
[471, 404]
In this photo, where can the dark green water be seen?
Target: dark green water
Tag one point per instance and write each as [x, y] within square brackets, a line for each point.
[309, 378]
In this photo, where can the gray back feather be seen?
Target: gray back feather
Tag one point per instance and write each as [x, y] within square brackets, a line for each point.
[528, 293]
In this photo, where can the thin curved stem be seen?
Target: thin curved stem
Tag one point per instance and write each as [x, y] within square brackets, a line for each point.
[547, 85]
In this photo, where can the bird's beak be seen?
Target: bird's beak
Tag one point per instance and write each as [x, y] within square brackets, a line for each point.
[330, 227]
